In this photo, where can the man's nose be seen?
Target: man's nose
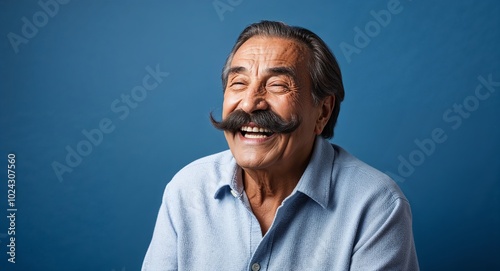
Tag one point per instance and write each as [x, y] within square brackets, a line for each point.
[254, 99]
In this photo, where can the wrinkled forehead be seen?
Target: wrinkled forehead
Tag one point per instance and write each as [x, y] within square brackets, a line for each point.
[261, 51]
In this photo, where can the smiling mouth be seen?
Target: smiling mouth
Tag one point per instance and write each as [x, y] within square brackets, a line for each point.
[255, 132]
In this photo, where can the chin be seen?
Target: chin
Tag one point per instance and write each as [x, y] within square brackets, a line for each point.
[252, 160]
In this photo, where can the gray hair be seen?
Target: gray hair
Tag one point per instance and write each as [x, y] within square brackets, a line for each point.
[323, 67]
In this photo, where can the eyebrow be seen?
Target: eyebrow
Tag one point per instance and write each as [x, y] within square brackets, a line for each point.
[237, 69]
[280, 70]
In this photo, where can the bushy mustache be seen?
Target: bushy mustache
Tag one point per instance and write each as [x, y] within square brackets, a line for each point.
[262, 118]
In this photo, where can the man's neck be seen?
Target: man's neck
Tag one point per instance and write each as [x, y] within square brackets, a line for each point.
[266, 189]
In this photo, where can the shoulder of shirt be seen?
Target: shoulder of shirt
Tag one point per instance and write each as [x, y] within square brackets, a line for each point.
[361, 179]
[204, 172]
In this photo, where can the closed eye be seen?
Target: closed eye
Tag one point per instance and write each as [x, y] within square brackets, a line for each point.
[237, 85]
[277, 87]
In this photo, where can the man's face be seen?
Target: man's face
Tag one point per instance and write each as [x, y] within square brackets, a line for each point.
[271, 74]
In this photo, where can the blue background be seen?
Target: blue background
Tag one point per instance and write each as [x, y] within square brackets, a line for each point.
[100, 216]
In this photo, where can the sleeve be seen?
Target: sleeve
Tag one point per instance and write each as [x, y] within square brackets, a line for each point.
[387, 241]
[162, 251]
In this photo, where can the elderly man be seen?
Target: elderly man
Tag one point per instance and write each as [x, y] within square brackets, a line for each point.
[282, 197]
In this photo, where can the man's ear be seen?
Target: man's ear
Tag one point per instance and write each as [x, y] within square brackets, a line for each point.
[326, 109]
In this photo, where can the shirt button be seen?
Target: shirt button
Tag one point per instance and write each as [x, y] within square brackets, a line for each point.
[235, 194]
[255, 267]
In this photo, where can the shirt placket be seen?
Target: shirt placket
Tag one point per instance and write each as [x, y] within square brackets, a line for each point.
[262, 255]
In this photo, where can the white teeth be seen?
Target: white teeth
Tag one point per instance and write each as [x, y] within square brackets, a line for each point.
[255, 129]
[254, 136]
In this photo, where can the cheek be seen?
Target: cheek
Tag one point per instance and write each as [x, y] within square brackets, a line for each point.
[230, 103]
[284, 107]
[227, 105]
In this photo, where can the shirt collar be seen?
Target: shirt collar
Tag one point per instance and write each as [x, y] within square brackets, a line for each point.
[317, 178]
[315, 181]
[230, 180]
